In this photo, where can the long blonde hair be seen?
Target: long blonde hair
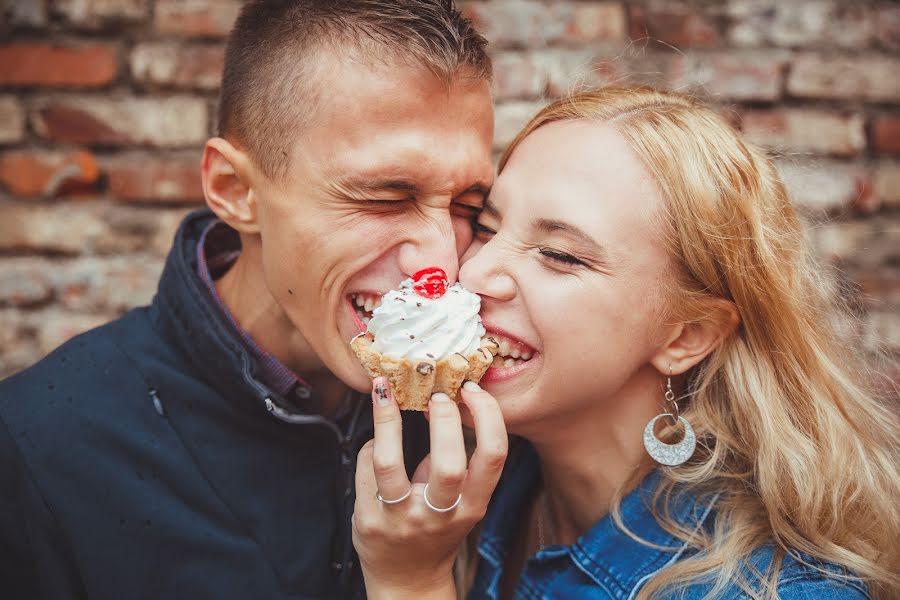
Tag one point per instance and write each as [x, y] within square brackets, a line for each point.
[799, 450]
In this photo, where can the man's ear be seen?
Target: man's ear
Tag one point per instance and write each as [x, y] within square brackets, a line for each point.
[227, 173]
[690, 343]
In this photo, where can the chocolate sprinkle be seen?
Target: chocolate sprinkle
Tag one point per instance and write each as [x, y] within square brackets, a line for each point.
[424, 368]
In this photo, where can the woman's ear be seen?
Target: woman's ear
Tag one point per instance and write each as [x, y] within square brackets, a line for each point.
[227, 172]
[690, 343]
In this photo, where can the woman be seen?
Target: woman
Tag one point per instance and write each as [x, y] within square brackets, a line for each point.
[652, 266]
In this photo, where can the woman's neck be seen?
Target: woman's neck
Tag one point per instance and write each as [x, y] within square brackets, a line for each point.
[586, 462]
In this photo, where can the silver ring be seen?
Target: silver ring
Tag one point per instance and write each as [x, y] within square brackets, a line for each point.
[383, 500]
[435, 508]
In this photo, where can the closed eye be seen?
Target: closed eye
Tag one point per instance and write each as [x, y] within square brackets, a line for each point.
[560, 257]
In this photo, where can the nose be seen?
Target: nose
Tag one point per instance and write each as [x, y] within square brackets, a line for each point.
[485, 273]
[430, 243]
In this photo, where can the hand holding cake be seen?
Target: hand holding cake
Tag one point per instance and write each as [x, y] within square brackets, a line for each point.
[426, 338]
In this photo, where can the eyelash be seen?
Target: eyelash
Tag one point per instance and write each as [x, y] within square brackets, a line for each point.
[479, 229]
[560, 257]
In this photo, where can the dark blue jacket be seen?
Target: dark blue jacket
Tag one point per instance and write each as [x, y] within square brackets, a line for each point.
[608, 564]
[145, 459]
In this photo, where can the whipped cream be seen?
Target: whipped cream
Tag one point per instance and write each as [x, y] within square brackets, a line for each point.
[407, 325]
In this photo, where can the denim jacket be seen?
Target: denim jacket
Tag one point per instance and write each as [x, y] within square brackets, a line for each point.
[607, 563]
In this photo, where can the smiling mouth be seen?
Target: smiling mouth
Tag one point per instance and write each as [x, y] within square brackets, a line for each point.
[364, 304]
[512, 353]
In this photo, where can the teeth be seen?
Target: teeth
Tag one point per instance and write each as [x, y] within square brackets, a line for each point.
[376, 303]
[369, 304]
[359, 300]
[498, 362]
[365, 320]
[509, 362]
[515, 353]
[504, 348]
[526, 356]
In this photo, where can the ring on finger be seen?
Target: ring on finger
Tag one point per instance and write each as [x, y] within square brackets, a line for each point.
[384, 500]
[435, 508]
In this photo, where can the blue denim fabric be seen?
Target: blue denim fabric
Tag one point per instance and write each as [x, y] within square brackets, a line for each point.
[607, 563]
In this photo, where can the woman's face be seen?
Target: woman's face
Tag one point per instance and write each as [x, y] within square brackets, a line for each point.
[571, 273]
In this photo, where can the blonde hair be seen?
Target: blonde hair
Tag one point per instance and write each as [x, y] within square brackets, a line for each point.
[797, 449]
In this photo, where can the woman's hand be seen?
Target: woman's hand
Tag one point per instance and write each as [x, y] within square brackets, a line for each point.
[406, 547]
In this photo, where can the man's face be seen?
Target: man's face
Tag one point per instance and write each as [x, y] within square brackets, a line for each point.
[382, 183]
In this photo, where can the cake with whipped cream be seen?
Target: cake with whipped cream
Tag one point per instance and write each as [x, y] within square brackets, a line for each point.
[426, 337]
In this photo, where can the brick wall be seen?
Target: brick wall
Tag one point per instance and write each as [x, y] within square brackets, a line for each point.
[105, 105]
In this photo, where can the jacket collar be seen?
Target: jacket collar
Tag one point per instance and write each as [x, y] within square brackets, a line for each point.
[605, 553]
[188, 316]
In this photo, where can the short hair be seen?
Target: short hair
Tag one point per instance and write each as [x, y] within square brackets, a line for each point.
[268, 85]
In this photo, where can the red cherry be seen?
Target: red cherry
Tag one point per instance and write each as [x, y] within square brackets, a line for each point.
[430, 283]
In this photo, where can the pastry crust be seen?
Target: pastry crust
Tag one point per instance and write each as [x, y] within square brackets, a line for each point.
[414, 381]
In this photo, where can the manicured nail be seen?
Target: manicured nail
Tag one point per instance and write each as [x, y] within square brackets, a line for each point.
[471, 386]
[440, 397]
[381, 396]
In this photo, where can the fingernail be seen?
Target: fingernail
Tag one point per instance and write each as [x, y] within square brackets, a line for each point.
[381, 396]
[440, 397]
[471, 386]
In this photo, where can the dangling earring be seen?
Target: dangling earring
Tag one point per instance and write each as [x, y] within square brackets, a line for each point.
[670, 455]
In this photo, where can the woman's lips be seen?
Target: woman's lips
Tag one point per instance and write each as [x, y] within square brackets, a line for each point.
[498, 374]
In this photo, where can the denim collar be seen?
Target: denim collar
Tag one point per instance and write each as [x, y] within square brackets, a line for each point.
[605, 553]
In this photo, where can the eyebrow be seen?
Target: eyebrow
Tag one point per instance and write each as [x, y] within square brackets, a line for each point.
[557, 226]
[376, 184]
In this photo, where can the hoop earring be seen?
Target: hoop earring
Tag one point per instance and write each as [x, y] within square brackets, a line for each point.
[670, 455]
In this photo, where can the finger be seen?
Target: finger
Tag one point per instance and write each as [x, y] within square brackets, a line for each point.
[423, 471]
[448, 453]
[492, 444]
[387, 456]
[365, 474]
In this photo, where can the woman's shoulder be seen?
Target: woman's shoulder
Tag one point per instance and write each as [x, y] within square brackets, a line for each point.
[804, 576]
[800, 577]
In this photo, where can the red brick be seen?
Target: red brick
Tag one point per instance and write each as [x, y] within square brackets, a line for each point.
[509, 118]
[799, 23]
[882, 331]
[886, 134]
[76, 228]
[887, 26]
[190, 66]
[55, 327]
[167, 222]
[12, 120]
[175, 121]
[806, 130]
[675, 23]
[823, 186]
[113, 284]
[24, 282]
[870, 77]
[515, 24]
[196, 18]
[47, 172]
[32, 13]
[887, 184]
[36, 64]
[150, 178]
[846, 243]
[18, 347]
[552, 72]
[595, 21]
[745, 75]
[92, 14]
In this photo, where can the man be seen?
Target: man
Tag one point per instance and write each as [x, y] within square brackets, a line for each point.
[204, 446]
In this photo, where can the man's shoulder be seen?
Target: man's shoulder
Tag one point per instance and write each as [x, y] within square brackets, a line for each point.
[91, 374]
